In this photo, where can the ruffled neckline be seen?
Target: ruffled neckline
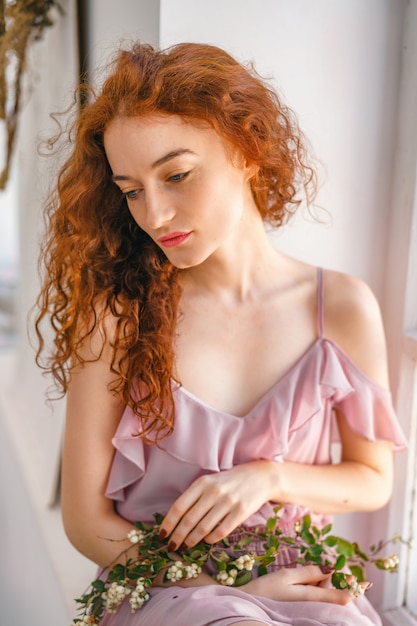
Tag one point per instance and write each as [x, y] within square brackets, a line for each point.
[317, 344]
[292, 420]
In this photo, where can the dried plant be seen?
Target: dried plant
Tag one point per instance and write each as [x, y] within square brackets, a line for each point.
[21, 23]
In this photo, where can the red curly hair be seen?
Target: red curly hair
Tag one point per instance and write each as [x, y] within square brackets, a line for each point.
[95, 257]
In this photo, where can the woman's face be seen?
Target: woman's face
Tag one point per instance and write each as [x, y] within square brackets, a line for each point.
[184, 186]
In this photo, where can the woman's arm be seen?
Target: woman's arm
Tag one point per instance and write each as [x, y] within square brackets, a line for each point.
[93, 414]
[363, 478]
[215, 504]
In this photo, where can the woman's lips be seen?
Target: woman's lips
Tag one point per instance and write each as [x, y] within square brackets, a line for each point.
[173, 239]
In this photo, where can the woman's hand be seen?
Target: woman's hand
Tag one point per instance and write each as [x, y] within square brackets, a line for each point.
[300, 584]
[215, 504]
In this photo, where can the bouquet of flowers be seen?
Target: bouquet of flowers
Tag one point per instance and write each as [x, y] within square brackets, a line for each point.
[233, 562]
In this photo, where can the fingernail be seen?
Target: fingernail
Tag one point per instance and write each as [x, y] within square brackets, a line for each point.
[327, 569]
[172, 546]
[162, 533]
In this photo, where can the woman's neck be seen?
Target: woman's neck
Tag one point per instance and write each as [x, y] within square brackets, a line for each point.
[238, 271]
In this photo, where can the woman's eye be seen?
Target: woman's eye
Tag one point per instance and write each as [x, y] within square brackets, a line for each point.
[177, 178]
[132, 195]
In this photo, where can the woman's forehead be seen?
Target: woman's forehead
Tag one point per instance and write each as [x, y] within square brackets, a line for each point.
[154, 140]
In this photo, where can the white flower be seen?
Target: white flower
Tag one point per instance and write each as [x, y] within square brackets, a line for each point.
[136, 536]
[356, 590]
[227, 578]
[138, 596]
[192, 571]
[246, 561]
[175, 572]
[391, 562]
[114, 596]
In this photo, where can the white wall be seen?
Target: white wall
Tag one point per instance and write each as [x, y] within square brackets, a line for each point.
[108, 26]
[337, 64]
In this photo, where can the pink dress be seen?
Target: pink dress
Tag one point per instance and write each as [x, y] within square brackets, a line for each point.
[292, 422]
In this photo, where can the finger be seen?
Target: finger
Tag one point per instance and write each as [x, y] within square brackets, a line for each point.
[308, 575]
[178, 509]
[312, 593]
[199, 522]
[228, 521]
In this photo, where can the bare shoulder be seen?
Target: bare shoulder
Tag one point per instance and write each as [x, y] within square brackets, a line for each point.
[89, 396]
[352, 319]
[96, 333]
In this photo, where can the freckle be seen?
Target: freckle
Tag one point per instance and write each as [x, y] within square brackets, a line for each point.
[173, 597]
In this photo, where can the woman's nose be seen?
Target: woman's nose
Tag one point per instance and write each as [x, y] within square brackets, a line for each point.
[159, 208]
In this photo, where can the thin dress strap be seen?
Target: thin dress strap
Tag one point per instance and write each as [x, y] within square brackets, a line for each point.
[320, 301]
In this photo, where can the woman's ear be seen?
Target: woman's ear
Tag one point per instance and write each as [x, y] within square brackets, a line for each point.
[251, 169]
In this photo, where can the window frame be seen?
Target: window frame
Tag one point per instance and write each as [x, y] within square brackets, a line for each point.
[399, 306]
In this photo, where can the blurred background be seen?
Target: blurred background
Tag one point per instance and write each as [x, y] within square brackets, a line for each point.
[349, 70]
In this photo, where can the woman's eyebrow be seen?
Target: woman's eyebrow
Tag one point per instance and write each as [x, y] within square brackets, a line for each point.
[171, 155]
[163, 159]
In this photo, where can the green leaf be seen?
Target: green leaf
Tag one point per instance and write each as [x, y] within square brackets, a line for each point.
[308, 537]
[344, 547]
[288, 540]
[244, 542]
[267, 560]
[326, 529]
[158, 518]
[339, 580]
[331, 541]
[340, 562]
[243, 578]
[273, 542]
[316, 532]
[357, 550]
[358, 573]
[198, 557]
[306, 522]
[222, 556]
[271, 524]
[310, 557]
[270, 553]
[157, 565]
[98, 584]
[262, 570]
[316, 550]
[117, 573]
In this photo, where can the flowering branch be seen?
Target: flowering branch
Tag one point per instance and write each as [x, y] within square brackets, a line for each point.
[233, 562]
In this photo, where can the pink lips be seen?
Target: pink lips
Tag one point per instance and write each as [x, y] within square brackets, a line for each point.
[173, 239]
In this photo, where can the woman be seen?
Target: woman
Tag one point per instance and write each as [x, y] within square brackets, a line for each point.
[205, 371]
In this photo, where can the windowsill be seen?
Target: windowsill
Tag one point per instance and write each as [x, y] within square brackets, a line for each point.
[410, 344]
[398, 617]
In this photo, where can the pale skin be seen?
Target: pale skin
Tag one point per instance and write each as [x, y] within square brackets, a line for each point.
[259, 319]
